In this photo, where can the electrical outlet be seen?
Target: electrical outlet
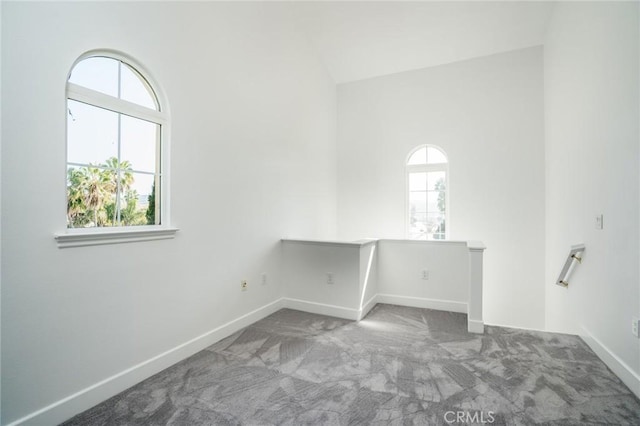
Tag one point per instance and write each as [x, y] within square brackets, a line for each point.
[243, 285]
[635, 326]
[425, 274]
[330, 280]
[263, 278]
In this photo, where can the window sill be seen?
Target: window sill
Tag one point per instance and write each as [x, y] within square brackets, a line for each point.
[86, 237]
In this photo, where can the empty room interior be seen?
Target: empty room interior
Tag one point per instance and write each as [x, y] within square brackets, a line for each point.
[262, 213]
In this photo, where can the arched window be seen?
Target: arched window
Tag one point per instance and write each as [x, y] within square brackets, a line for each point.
[115, 144]
[427, 193]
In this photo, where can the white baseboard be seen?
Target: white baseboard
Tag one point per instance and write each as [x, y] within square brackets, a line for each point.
[421, 302]
[367, 307]
[517, 327]
[322, 309]
[618, 366]
[86, 398]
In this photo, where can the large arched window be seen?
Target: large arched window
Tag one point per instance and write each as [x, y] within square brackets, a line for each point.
[427, 193]
[115, 144]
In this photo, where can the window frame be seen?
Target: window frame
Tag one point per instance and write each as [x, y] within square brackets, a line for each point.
[74, 237]
[426, 168]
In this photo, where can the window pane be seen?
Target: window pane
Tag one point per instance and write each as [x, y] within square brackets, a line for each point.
[418, 226]
[77, 216]
[441, 231]
[435, 156]
[434, 222]
[92, 133]
[418, 202]
[417, 181]
[427, 193]
[418, 231]
[437, 229]
[436, 181]
[134, 200]
[97, 73]
[113, 163]
[418, 157]
[134, 89]
[435, 201]
[90, 193]
[138, 143]
[442, 203]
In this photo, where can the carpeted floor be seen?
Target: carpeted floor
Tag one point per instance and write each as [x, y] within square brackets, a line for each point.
[397, 366]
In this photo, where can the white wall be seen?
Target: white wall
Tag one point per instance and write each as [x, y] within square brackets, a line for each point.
[592, 148]
[305, 269]
[253, 159]
[335, 278]
[401, 264]
[487, 114]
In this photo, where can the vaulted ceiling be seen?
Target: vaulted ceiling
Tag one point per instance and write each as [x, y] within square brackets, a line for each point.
[358, 40]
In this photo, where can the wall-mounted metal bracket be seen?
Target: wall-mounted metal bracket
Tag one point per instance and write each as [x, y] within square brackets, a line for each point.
[573, 257]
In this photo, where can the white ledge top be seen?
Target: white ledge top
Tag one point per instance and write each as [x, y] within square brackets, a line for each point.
[358, 243]
[476, 245]
[402, 241]
[471, 245]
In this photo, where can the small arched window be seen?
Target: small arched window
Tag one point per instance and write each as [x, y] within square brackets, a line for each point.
[427, 193]
[115, 144]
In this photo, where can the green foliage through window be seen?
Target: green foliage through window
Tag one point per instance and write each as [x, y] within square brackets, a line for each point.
[102, 195]
[151, 209]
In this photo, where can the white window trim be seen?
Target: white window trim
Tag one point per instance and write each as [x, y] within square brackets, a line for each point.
[81, 237]
[75, 237]
[418, 168]
[101, 100]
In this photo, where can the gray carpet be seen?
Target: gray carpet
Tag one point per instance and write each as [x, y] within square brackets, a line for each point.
[398, 366]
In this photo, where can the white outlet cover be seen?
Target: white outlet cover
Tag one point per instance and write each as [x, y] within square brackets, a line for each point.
[600, 221]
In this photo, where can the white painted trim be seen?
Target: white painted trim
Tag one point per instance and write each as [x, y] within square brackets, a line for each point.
[100, 100]
[322, 309]
[421, 302]
[147, 78]
[618, 366]
[474, 326]
[368, 306]
[476, 246]
[86, 398]
[96, 236]
[493, 324]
